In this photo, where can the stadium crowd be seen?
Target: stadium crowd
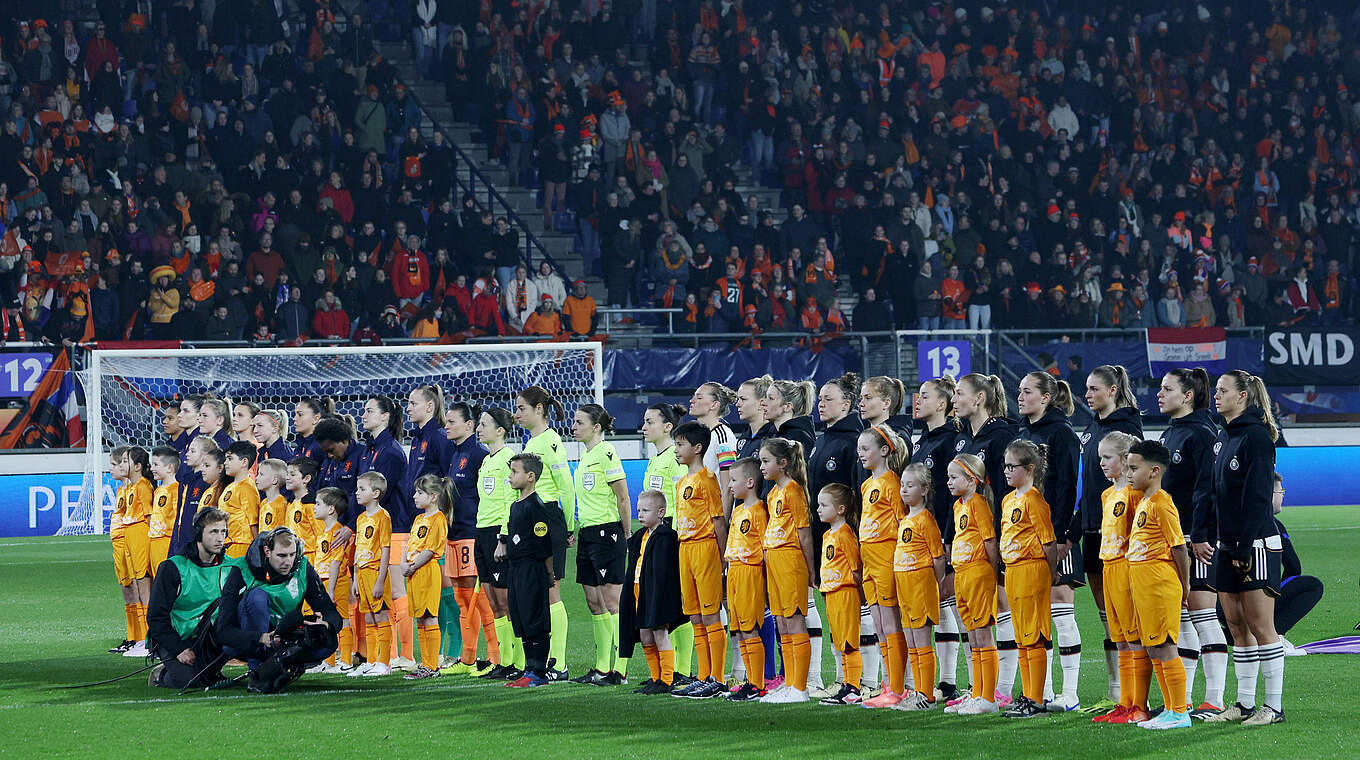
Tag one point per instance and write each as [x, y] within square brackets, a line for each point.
[195, 170]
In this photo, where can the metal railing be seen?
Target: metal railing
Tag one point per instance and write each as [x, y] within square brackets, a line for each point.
[494, 199]
[607, 321]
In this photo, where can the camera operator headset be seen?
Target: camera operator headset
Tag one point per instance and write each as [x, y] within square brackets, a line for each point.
[261, 618]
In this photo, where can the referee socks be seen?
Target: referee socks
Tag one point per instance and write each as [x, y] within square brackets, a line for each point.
[557, 635]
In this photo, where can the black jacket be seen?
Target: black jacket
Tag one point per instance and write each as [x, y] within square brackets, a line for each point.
[164, 592]
[1244, 470]
[1093, 481]
[990, 444]
[1190, 479]
[834, 458]
[900, 424]
[750, 445]
[229, 630]
[936, 450]
[799, 429]
[658, 604]
[1055, 431]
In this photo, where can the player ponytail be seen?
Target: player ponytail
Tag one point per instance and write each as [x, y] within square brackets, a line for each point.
[990, 386]
[1058, 391]
[1194, 381]
[433, 394]
[842, 495]
[538, 396]
[1115, 376]
[1033, 456]
[279, 419]
[441, 489]
[598, 416]
[393, 411]
[976, 470]
[891, 390]
[320, 406]
[725, 396]
[1257, 396]
[798, 395]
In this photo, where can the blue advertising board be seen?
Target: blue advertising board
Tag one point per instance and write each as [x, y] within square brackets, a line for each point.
[34, 505]
[20, 373]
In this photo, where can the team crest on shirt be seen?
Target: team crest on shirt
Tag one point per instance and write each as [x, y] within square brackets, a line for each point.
[462, 463]
[831, 465]
[1176, 457]
[422, 531]
[1015, 515]
[1119, 509]
[297, 517]
[368, 532]
[963, 522]
[1218, 446]
[873, 495]
[540, 529]
[778, 507]
[268, 519]
[689, 491]
[423, 446]
[930, 462]
[830, 552]
[1232, 463]
[958, 446]
[325, 546]
[348, 465]
[906, 535]
[161, 503]
[745, 527]
[1085, 438]
[588, 481]
[1141, 520]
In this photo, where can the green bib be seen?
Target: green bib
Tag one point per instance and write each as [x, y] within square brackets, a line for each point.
[283, 597]
[199, 587]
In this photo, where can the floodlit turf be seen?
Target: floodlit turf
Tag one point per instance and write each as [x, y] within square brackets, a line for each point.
[60, 610]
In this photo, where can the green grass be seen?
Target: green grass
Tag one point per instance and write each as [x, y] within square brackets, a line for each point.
[61, 610]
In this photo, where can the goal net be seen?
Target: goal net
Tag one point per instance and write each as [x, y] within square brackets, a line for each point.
[125, 389]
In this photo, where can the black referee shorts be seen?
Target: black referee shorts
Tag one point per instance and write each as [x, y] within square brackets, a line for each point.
[490, 571]
[601, 554]
[1072, 568]
[1262, 570]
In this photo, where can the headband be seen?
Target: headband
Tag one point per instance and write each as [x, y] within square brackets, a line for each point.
[979, 478]
[886, 440]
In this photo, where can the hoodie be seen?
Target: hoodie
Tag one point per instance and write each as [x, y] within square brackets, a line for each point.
[1190, 479]
[1244, 466]
[1054, 430]
[1093, 481]
[834, 458]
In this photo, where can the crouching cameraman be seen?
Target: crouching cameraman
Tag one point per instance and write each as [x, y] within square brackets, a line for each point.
[183, 604]
[261, 619]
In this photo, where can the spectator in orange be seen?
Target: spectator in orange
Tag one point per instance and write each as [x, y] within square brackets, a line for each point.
[544, 320]
[580, 310]
[953, 300]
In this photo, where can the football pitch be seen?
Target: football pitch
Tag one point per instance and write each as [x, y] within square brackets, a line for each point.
[60, 610]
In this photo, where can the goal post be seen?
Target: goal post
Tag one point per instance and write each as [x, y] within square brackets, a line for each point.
[125, 388]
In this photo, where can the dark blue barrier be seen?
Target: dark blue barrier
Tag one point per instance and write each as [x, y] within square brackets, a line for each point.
[692, 367]
[1243, 353]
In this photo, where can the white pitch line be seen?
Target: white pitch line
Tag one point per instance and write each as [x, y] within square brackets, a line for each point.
[307, 693]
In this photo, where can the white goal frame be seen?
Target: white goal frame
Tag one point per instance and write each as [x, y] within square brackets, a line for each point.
[91, 376]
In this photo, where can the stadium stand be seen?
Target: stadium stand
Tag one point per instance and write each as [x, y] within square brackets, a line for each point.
[187, 170]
